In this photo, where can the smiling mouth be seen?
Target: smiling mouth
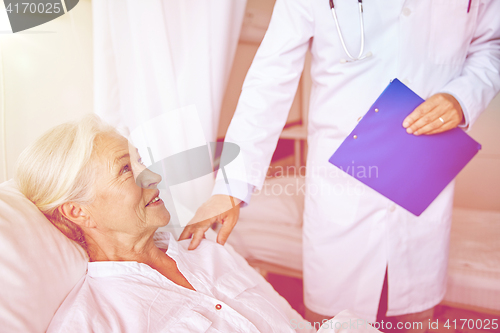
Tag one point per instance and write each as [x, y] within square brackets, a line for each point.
[155, 199]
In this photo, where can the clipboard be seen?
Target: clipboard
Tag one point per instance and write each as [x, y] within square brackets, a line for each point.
[409, 170]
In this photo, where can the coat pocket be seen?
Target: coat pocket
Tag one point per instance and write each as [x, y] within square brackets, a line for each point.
[452, 28]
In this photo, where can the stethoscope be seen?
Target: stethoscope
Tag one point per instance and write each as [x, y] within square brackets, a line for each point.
[362, 28]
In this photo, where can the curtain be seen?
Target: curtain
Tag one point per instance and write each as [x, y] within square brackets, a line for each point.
[160, 73]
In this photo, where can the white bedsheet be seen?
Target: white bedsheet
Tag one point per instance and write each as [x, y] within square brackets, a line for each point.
[269, 229]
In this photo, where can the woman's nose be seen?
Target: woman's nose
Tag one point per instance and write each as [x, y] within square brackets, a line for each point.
[148, 179]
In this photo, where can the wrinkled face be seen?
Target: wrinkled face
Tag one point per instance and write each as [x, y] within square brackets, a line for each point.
[121, 205]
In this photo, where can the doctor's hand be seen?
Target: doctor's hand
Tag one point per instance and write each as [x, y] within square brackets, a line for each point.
[439, 113]
[219, 208]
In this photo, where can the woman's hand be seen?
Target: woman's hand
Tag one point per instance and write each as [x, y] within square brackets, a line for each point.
[219, 208]
[426, 118]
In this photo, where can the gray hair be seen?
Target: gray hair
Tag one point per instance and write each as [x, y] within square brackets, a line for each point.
[59, 168]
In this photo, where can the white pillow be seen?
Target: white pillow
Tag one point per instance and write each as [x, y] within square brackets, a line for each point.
[38, 265]
[281, 201]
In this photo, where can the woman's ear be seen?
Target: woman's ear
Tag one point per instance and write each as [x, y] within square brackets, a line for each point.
[76, 214]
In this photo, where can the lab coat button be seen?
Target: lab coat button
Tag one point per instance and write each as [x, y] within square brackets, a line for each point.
[406, 11]
[392, 208]
[218, 307]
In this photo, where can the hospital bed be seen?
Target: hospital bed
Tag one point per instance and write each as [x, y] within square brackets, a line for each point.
[39, 266]
[269, 230]
[269, 236]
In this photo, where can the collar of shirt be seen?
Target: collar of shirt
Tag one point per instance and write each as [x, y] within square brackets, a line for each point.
[208, 269]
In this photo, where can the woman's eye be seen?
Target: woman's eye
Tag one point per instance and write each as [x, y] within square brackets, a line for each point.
[126, 169]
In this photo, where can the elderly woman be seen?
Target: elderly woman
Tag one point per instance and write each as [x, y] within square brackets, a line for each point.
[83, 177]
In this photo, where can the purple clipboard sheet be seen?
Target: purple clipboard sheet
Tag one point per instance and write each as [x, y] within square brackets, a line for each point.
[411, 170]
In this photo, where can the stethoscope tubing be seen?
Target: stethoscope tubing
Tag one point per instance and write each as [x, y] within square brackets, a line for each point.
[341, 36]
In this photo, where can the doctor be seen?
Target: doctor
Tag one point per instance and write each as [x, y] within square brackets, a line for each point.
[447, 51]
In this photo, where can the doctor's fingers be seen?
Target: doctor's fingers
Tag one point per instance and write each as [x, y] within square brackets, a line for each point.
[423, 114]
[438, 113]
[437, 126]
[423, 110]
[196, 231]
[198, 235]
[448, 118]
[448, 125]
[228, 222]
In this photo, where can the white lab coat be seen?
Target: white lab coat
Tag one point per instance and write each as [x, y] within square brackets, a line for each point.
[351, 233]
